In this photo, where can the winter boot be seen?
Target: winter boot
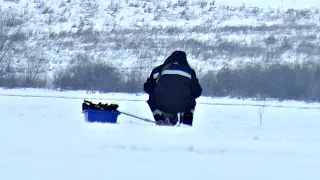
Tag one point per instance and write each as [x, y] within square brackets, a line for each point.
[187, 118]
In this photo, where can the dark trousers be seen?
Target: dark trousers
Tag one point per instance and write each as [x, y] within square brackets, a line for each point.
[185, 117]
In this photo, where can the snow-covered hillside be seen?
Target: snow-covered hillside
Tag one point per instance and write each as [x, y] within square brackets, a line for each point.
[137, 35]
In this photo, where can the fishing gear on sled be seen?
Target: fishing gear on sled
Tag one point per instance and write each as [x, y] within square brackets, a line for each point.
[105, 111]
[99, 106]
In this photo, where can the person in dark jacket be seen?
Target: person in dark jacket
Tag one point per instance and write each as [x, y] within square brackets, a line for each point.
[173, 88]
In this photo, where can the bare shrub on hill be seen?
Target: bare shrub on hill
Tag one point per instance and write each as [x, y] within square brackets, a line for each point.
[173, 30]
[267, 28]
[12, 18]
[89, 8]
[47, 10]
[34, 72]
[187, 14]
[209, 85]
[88, 35]
[113, 8]
[133, 83]
[181, 3]
[201, 3]
[85, 74]
[15, 1]
[286, 45]
[281, 81]
[235, 49]
[11, 41]
[203, 28]
[315, 85]
[307, 48]
[134, 4]
[270, 40]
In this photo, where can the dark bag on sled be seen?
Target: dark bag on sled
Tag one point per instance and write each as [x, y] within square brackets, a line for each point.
[100, 106]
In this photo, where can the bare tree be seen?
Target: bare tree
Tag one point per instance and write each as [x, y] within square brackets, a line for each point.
[11, 43]
[5, 45]
[34, 72]
[5, 42]
[113, 9]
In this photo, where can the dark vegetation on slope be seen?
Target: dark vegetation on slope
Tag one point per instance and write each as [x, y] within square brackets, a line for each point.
[24, 62]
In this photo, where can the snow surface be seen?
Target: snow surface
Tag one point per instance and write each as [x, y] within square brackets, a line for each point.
[43, 136]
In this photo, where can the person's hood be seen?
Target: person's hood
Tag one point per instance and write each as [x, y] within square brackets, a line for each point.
[168, 60]
[177, 56]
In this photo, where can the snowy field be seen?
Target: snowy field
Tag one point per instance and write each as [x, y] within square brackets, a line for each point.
[43, 136]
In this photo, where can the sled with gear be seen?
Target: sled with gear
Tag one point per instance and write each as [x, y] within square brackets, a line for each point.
[103, 113]
[108, 113]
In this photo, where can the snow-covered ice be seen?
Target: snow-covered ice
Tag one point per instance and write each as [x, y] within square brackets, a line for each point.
[43, 136]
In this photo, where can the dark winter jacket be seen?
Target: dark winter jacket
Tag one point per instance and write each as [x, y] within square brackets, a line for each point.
[149, 86]
[177, 88]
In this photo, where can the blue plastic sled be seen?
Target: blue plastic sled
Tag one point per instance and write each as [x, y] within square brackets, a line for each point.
[101, 116]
